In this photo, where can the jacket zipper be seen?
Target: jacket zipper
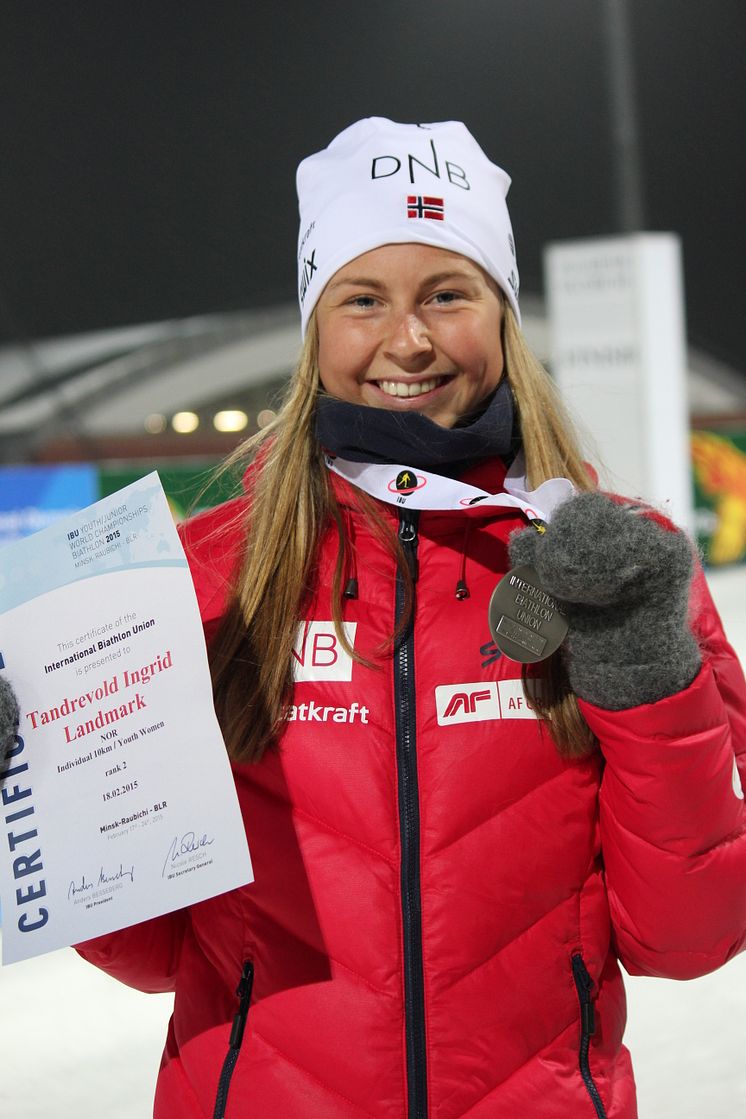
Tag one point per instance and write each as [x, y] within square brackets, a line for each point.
[409, 829]
[234, 1045]
[584, 986]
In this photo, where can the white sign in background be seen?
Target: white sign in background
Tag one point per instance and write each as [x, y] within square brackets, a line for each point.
[116, 800]
[618, 355]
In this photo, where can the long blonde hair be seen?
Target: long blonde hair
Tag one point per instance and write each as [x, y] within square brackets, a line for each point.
[292, 505]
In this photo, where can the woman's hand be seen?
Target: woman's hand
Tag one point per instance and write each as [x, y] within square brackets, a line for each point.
[621, 574]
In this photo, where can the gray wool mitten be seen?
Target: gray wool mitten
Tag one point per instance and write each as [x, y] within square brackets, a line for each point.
[621, 574]
[9, 716]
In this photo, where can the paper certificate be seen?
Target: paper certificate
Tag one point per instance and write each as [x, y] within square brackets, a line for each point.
[116, 800]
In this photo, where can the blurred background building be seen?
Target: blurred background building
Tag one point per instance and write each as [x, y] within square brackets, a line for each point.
[148, 221]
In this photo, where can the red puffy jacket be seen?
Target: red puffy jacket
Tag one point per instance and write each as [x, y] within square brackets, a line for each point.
[441, 900]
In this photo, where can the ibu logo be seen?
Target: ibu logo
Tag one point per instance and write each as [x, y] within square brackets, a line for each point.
[318, 654]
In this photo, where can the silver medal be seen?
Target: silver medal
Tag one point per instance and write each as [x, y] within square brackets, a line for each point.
[526, 623]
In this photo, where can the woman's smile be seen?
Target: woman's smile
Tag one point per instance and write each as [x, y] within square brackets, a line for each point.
[410, 389]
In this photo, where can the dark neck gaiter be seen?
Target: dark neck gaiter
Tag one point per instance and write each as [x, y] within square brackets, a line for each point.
[362, 434]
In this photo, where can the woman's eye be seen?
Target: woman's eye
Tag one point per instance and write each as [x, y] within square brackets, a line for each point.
[364, 301]
[445, 297]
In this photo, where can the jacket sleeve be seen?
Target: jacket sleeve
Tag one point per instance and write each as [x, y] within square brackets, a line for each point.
[673, 823]
[212, 542]
[144, 956]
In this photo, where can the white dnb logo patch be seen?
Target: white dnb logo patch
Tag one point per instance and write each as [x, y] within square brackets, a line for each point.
[318, 654]
[479, 702]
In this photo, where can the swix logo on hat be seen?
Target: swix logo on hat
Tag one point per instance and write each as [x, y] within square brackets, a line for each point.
[425, 206]
[481, 701]
[318, 653]
[308, 267]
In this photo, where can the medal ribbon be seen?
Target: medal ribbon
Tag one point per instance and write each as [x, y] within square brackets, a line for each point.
[422, 489]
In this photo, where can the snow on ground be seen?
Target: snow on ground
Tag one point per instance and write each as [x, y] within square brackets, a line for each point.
[75, 1044]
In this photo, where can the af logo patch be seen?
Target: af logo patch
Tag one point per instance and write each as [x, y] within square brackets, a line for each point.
[481, 701]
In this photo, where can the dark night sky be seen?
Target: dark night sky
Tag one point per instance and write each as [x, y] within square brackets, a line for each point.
[149, 149]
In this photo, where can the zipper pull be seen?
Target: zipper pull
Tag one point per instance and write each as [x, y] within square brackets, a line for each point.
[244, 998]
[408, 520]
[584, 985]
[588, 1016]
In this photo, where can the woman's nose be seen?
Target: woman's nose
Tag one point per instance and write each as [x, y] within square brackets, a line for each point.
[409, 339]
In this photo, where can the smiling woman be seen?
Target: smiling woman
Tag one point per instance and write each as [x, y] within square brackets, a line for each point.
[412, 328]
[453, 851]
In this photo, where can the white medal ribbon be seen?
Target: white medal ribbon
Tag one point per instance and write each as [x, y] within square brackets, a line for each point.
[421, 489]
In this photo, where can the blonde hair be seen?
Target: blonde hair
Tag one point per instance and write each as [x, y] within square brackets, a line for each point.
[292, 505]
[551, 450]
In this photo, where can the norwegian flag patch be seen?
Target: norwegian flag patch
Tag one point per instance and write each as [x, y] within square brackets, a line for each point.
[425, 206]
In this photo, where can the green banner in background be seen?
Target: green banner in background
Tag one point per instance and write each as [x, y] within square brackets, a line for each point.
[719, 470]
[189, 489]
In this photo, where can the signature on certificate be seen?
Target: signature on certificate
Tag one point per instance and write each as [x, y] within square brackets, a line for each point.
[105, 878]
[186, 844]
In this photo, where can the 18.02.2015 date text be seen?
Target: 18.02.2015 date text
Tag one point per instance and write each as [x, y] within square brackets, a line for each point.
[130, 787]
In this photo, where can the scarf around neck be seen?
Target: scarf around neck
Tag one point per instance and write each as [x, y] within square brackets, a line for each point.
[360, 433]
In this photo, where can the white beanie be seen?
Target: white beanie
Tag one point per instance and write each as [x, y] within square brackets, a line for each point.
[381, 183]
